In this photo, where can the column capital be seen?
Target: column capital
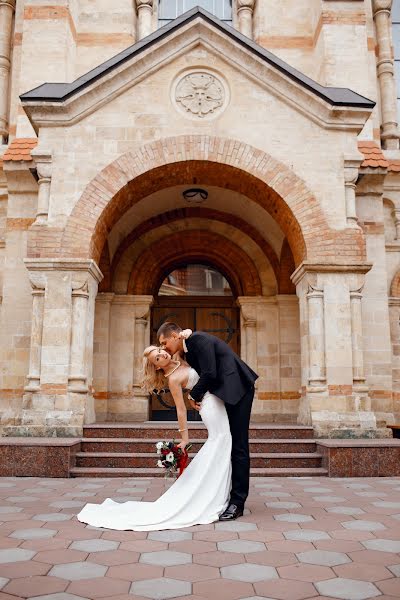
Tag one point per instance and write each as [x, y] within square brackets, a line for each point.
[43, 159]
[9, 3]
[313, 269]
[381, 5]
[144, 3]
[245, 4]
[78, 266]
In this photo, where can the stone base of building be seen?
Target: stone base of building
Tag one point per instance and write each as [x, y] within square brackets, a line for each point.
[360, 458]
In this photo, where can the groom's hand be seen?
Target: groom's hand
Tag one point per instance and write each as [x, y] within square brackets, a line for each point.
[194, 404]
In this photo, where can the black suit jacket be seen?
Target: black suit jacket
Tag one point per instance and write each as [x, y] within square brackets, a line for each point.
[221, 371]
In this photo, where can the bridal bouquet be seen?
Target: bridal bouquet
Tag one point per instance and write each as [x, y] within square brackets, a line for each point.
[171, 458]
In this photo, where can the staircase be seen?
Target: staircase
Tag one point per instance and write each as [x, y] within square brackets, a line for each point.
[128, 449]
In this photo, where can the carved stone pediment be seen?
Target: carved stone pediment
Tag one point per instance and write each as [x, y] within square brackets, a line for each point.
[58, 104]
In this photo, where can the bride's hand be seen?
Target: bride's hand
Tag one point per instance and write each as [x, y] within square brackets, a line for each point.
[183, 444]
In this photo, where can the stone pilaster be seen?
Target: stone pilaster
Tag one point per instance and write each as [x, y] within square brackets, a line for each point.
[36, 336]
[396, 219]
[245, 10]
[334, 395]
[142, 339]
[385, 69]
[43, 160]
[351, 167]
[77, 378]
[101, 354]
[59, 398]
[7, 8]
[144, 10]
[394, 316]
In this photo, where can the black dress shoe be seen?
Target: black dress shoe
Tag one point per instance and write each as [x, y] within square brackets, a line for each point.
[232, 512]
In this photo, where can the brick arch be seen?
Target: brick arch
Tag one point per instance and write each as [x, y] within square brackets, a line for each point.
[200, 159]
[156, 261]
[395, 286]
[193, 213]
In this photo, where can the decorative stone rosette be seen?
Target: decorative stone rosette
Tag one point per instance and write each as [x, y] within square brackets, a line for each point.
[200, 93]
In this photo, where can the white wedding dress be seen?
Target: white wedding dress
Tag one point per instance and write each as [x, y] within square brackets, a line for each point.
[199, 495]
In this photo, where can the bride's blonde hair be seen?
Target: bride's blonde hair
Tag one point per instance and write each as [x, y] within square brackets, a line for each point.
[152, 378]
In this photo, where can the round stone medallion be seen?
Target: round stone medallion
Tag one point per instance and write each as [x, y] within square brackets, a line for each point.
[200, 94]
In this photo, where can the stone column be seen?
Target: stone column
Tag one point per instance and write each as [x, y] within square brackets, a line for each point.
[43, 159]
[101, 354]
[77, 379]
[316, 337]
[144, 18]
[245, 9]
[331, 325]
[36, 338]
[7, 8]
[351, 166]
[142, 339]
[248, 307]
[396, 218]
[360, 389]
[64, 401]
[394, 315]
[385, 69]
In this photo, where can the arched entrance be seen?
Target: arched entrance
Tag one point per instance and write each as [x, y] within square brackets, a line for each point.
[199, 297]
[258, 223]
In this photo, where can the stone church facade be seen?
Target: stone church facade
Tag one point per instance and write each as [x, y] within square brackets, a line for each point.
[257, 138]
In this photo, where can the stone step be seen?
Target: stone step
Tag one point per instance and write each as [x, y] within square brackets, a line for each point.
[254, 472]
[148, 445]
[149, 460]
[169, 430]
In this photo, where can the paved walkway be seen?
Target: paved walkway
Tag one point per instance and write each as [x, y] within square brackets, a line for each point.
[300, 538]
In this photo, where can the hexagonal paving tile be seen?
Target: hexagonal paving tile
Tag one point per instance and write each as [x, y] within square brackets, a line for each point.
[329, 499]
[345, 510]
[306, 535]
[3, 582]
[58, 557]
[99, 587]
[78, 570]
[362, 572]
[382, 545]
[52, 517]
[360, 525]
[304, 572]
[395, 569]
[294, 518]
[94, 545]
[166, 558]
[192, 572]
[26, 587]
[15, 554]
[284, 505]
[323, 557]
[249, 572]
[160, 589]
[236, 526]
[67, 503]
[241, 546]
[284, 589]
[171, 535]
[320, 490]
[10, 509]
[60, 596]
[33, 534]
[383, 504]
[347, 589]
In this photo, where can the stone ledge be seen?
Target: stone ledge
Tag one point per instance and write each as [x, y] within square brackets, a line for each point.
[37, 457]
[360, 457]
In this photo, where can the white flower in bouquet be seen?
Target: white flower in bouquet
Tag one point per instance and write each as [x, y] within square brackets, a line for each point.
[159, 446]
[159, 464]
[170, 457]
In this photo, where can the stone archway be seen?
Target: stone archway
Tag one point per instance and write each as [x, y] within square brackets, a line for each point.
[235, 165]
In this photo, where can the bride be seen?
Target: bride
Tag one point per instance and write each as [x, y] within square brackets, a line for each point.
[202, 492]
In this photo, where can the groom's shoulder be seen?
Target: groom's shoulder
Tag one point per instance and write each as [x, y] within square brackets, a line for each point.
[202, 336]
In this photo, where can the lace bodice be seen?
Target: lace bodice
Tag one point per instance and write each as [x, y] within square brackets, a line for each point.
[192, 378]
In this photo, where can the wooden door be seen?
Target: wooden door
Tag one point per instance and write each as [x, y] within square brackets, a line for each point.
[217, 315]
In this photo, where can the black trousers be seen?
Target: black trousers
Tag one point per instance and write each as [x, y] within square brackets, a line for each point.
[239, 421]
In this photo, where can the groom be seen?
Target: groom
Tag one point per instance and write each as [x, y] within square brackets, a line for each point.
[222, 373]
